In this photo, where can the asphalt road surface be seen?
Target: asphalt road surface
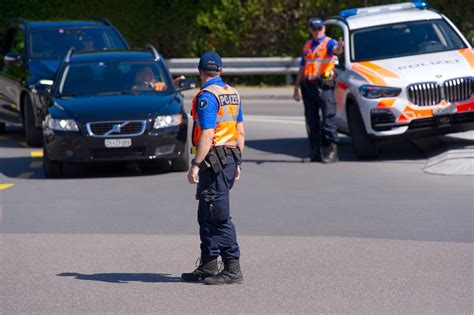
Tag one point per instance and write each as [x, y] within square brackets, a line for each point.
[352, 237]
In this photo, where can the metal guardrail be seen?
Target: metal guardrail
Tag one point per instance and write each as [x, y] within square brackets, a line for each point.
[241, 66]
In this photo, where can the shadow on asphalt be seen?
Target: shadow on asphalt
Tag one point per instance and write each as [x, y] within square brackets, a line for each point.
[12, 137]
[456, 143]
[124, 277]
[299, 148]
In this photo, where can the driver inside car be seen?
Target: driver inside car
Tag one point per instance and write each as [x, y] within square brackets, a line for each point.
[145, 80]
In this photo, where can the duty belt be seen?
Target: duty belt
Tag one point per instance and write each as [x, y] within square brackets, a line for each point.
[320, 83]
[217, 158]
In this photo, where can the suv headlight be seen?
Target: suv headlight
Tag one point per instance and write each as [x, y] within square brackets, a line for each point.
[374, 91]
[168, 121]
[62, 124]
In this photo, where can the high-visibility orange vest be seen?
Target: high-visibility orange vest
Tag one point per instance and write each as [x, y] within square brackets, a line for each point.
[226, 126]
[318, 63]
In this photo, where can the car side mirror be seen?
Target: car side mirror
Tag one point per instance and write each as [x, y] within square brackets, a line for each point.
[185, 84]
[12, 58]
[44, 86]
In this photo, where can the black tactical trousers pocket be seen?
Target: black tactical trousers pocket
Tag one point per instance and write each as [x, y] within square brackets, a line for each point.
[213, 207]
[220, 209]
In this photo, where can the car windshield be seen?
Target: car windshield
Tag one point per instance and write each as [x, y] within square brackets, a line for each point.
[404, 39]
[54, 43]
[116, 77]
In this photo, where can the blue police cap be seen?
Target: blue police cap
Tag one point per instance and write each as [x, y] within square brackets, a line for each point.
[210, 61]
[315, 23]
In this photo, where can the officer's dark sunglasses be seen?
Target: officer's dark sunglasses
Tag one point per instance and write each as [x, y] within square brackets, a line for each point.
[317, 28]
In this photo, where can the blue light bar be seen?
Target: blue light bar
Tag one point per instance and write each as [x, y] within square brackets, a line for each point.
[347, 13]
[420, 4]
[384, 8]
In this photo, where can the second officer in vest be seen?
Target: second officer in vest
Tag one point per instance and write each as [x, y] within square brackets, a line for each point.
[316, 80]
[218, 140]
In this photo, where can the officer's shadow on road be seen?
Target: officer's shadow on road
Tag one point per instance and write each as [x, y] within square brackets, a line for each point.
[124, 277]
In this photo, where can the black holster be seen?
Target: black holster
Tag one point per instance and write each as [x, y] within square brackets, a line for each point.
[212, 160]
[216, 158]
[237, 155]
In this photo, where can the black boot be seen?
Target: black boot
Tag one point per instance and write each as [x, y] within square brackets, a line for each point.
[329, 153]
[231, 274]
[207, 267]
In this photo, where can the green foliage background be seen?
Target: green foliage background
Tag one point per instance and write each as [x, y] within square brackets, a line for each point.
[184, 28]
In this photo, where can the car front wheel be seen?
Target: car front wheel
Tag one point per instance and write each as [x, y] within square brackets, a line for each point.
[364, 147]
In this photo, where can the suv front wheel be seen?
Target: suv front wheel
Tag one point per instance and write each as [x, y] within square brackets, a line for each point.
[34, 136]
[364, 147]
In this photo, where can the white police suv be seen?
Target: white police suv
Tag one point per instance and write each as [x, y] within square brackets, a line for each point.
[406, 71]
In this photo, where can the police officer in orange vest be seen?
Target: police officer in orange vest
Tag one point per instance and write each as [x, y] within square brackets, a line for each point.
[218, 142]
[316, 80]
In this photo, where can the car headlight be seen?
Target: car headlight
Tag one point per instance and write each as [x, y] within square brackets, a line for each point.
[374, 91]
[168, 121]
[62, 124]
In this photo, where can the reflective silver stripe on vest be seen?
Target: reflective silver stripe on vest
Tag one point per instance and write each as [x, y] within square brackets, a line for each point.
[230, 143]
[227, 115]
[320, 60]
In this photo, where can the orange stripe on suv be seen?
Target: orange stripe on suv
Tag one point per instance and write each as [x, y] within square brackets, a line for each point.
[468, 54]
[373, 77]
[380, 70]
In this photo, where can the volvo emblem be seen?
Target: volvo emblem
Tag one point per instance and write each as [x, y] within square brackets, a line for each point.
[439, 76]
[115, 128]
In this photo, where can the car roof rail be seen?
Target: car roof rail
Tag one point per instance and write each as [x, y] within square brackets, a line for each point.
[154, 51]
[69, 54]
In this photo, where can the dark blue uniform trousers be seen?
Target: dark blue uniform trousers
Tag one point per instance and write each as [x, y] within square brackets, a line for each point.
[315, 99]
[217, 232]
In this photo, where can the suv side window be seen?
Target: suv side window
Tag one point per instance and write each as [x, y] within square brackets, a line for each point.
[336, 32]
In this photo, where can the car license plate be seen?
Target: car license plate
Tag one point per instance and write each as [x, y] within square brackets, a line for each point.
[450, 109]
[118, 143]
